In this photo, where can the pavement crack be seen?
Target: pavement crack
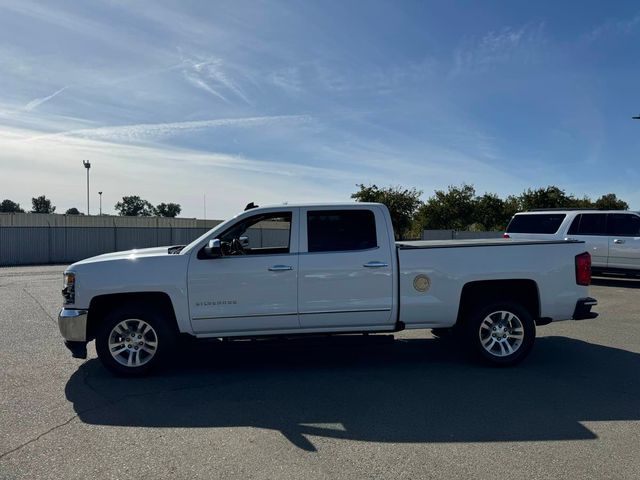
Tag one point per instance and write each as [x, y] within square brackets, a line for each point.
[47, 432]
[39, 305]
[109, 403]
[29, 442]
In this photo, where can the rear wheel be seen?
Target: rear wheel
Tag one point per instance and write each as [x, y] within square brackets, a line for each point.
[502, 333]
[133, 340]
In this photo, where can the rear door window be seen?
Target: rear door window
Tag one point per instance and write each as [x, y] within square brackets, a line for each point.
[536, 223]
[589, 224]
[624, 224]
[341, 230]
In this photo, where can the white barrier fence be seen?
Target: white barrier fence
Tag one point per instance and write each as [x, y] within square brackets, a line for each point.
[32, 239]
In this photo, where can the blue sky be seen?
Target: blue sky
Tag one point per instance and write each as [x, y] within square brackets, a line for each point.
[298, 101]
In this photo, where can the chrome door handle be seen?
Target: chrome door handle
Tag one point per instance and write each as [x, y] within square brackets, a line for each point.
[376, 265]
[617, 240]
[280, 268]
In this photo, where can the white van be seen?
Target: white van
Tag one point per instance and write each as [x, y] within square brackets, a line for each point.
[612, 236]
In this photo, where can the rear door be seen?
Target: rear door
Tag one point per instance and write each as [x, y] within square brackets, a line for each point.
[345, 277]
[592, 229]
[624, 240]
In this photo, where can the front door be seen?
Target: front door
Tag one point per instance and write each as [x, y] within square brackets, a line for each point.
[346, 269]
[253, 286]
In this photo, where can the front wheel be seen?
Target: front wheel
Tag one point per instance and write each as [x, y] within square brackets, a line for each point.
[132, 341]
[502, 333]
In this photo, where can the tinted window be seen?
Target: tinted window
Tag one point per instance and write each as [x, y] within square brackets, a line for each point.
[624, 224]
[589, 224]
[339, 230]
[266, 232]
[575, 225]
[538, 223]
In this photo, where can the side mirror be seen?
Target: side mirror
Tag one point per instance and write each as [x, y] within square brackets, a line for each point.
[244, 241]
[213, 248]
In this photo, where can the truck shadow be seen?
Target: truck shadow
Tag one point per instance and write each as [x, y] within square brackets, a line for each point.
[370, 389]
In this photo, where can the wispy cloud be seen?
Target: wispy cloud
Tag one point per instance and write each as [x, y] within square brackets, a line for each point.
[36, 102]
[615, 27]
[211, 74]
[338, 78]
[287, 78]
[52, 165]
[216, 87]
[109, 33]
[199, 83]
[149, 131]
[497, 47]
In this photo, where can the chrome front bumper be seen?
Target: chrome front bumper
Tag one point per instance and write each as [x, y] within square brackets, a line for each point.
[73, 324]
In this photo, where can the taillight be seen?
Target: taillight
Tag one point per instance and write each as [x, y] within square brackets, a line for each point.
[583, 269]
[505, 235]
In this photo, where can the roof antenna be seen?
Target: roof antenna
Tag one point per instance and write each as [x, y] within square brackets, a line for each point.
[250, 206]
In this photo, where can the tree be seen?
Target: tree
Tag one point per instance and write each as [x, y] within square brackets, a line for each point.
[511, 207]
[611, 202]
[73, 211]
[491, 212]
[42, 204]
[453, 209]
[552, 197]
[549, 197]
[134, 206]
[401, 202]
[168, 210]
[9, 206]
[584, 202]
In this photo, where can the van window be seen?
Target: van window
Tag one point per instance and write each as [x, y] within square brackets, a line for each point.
[536, 223]
[340, 230]
[589, 224]
[624, 224]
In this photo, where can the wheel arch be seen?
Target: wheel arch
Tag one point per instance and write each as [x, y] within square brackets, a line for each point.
[479, 293]
[102, 304]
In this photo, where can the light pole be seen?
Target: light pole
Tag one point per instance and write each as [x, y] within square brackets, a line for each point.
[100, 193]
[87, 165]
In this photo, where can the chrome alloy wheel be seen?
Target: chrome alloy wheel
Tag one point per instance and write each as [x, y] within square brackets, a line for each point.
[501, 333]
[133, 342]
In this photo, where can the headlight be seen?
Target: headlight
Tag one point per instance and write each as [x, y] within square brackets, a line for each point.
[69, 287]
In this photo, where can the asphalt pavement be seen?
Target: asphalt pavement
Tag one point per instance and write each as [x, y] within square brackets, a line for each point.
[348, 407]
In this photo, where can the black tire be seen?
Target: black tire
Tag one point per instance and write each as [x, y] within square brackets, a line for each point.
[477, 333]
[163, 329]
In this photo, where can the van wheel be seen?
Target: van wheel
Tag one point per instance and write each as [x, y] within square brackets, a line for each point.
[134, 340]
[502, 333]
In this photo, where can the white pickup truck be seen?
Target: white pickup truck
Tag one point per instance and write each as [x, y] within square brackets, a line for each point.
[325, 269]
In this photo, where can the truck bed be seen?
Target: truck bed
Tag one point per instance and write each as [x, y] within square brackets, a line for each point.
[449, 265]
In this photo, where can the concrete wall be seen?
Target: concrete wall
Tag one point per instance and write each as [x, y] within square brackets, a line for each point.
[30, 239]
